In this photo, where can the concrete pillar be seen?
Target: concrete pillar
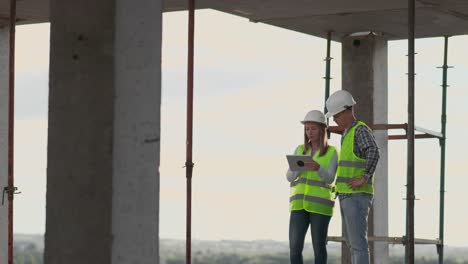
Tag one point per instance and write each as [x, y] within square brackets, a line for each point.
[4, 93]
[104, 132]
[365, 74]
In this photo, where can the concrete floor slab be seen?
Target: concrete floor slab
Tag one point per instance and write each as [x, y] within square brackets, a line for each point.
[314, 17]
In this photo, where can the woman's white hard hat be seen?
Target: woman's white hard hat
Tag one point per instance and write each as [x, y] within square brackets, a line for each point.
[338, 102]
[315, 116]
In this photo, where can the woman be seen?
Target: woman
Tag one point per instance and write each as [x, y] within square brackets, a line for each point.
[312, 190]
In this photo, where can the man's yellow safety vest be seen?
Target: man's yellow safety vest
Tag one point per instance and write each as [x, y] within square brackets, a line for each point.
[351, 166]
[309, 192]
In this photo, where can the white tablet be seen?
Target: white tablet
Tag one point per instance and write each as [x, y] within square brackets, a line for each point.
[297, 162]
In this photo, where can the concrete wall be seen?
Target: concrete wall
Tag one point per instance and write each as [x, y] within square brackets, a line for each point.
[365, 75]
[104, 127]
[4, 87]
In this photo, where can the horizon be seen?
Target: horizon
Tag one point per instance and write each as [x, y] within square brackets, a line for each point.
[257, 240]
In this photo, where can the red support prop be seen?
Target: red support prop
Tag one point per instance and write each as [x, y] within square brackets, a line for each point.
[189, 162]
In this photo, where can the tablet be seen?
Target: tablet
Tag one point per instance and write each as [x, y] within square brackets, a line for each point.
[297, 162]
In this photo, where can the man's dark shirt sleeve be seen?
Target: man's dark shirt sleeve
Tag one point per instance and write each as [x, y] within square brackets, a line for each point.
[366, 148]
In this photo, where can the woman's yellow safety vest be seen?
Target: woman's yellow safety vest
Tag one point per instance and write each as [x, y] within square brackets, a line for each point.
[309, 192]
[351, 166]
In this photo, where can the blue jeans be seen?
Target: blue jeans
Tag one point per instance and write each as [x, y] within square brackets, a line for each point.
[299, 222]
[354, 211]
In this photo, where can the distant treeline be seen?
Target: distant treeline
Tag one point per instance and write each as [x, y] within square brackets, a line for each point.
[30, 253]
[280, 259]
[232, 259]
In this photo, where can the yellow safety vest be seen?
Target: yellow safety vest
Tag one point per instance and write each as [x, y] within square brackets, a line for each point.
[309, 192]
[351, 166]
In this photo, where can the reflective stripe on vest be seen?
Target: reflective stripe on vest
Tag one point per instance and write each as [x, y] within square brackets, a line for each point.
[347, 180]
[354, 164]
[309, 192]
[351, 166]
[312, 182]
[312, 199]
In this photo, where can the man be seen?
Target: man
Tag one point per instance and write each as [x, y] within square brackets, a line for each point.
[358, 159]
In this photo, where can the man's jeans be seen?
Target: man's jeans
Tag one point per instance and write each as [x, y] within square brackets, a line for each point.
[354, 211]
[298, 224]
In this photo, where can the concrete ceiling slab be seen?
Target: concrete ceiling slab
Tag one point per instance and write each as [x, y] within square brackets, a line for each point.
[28, 11]
[390, 23]
[314, 17]
[343, 17]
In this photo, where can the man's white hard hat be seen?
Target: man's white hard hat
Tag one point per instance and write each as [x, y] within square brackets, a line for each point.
[338, 102]
[315, 116]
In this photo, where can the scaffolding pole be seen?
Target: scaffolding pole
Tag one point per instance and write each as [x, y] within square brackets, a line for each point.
[189, 164]
[327, 71]
[410, 197]
[440, 247]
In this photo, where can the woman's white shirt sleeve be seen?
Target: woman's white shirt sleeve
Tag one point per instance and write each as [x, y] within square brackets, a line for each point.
[329, 175]
[292, 175]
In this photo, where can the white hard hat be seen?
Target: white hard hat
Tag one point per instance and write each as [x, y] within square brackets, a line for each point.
[315, 116]
[338, 102]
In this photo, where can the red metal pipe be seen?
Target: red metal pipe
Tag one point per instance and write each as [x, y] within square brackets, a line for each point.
[337, 130]
[189, 163]
[415, 136]
[389, 126]
[11, 126]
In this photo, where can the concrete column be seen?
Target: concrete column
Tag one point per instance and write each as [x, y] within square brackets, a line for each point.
[365, 74]
[104, 132]
[4, 93]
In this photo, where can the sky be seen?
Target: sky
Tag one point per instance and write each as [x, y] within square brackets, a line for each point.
[253, 84]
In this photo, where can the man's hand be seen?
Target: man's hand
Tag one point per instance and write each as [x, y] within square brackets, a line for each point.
[357, 182]
[313, 166]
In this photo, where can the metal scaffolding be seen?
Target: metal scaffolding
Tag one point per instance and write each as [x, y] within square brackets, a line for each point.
[409, 240]
[422, 134]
